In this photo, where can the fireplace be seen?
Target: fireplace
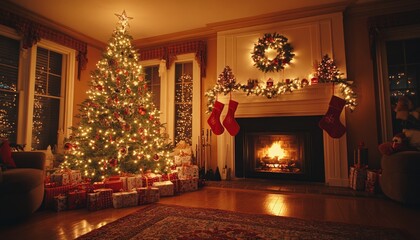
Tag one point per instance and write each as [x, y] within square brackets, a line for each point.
[293, 109]
[289, 148]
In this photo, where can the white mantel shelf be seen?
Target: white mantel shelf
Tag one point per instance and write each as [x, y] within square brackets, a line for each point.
[312, 100]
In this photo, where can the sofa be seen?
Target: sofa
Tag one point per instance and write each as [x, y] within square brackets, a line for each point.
[400, 179]
[22, 188]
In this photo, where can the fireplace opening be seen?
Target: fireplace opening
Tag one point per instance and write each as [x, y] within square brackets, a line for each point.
[277, 153]
[289, 148]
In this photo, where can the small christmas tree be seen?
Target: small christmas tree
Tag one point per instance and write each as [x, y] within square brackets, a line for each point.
[327, 71]
[119, 129]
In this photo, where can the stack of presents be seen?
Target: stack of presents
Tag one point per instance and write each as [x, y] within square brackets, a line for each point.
[361, 178]
[65, 189]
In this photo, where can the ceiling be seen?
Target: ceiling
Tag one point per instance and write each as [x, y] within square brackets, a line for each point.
[96, 18]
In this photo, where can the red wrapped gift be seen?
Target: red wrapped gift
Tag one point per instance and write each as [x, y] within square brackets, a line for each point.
[98, 185]
[148, 180]
[169, 176]
[50, 193]
[103, 199]
[76, 199]
[115, 185]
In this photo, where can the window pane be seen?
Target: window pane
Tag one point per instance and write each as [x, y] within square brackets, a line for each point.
[46, 104]
[54, 85]
[8, 115]
[45, 122]
[395, 52]
[413, 56]
[55, 63]
[183, 102]
[404, 71]
[9, 63]
[9, 51]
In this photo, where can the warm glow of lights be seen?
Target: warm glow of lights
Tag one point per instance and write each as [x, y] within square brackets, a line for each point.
[275, 151]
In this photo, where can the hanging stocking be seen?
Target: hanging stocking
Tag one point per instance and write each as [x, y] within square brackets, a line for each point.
[214, 119]
[331, 121]
[229, 122]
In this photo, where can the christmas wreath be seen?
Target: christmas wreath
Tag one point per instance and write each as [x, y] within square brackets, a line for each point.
[277, 43]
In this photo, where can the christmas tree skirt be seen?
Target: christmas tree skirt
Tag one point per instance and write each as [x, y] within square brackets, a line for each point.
[160, 221]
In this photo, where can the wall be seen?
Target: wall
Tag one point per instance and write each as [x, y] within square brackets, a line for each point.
[82, 85]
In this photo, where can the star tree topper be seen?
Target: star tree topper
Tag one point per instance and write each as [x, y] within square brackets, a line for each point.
[123, 18]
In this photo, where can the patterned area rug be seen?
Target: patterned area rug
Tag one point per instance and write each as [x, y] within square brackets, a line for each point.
[159, 221]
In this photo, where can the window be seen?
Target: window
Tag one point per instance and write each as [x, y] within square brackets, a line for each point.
[153, 83]
[9, 94]
[36, 92]
[183, 102]
[403, 62]
[47, 98]
[398, 69]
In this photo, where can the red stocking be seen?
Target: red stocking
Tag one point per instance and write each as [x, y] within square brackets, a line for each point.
[229, 122]
[214, 119]
[331, 121]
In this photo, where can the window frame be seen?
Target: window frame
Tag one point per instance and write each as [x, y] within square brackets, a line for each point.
[390, 34]
[26, 88]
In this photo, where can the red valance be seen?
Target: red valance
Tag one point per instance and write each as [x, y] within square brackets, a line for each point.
[170, 52]
[32, 32]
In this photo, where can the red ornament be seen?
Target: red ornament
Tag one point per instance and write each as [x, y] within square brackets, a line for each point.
[304, 82]
[123, 151]
[113, 162]
[128, 91]
[68, 146]
[156, 157]
[314, 80]
[142, 110]
[127, 127]
[270, 82]
[287, 81]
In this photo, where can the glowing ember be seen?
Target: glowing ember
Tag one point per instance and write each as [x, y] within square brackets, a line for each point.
[275, 151]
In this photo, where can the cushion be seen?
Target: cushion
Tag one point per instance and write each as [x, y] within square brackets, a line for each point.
[6, 155]
[413, 136]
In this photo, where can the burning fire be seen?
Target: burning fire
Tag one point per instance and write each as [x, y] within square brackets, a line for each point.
[275, 151]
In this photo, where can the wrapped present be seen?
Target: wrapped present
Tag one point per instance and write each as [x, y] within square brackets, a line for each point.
[131, 182]
[187, 172]
[75, 176]
[60, 178]
[76, 199]
[98, 185]
[147, 195]
[100, 199]
[372, 181]
[92, 201]
[125, 199]
[115, 185]
[169, 176]
[60, 203]
[357, 178]
[50, 193]
[166, 188]
[50, 184]
[188, 185]
[88, 187]
[182, 160]
[150, 178]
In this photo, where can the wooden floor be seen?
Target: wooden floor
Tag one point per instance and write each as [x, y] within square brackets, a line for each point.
[360, 210]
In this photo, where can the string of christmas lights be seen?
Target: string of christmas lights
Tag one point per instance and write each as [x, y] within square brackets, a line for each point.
[119, 130]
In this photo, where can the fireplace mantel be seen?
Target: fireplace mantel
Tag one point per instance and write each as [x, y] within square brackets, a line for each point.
[310, 101]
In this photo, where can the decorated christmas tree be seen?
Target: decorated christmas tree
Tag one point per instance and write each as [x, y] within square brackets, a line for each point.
[119, 129]
[327, 71]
